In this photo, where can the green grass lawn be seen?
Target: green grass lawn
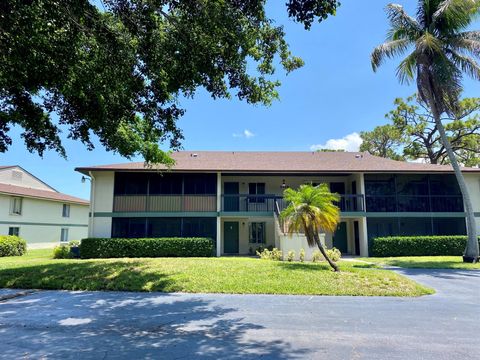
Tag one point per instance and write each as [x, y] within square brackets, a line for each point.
[207, 275]
[424, 262]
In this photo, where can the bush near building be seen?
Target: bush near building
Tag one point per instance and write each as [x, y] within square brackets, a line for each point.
[145, 247]
[419, 246]
[12, 246]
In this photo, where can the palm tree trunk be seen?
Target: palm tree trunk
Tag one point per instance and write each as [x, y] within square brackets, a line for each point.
[471, 251]
[324, 253]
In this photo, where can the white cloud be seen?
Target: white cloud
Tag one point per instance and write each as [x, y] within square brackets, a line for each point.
[350, 142]
[247, 134]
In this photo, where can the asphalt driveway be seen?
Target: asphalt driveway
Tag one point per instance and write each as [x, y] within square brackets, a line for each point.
[110, 325]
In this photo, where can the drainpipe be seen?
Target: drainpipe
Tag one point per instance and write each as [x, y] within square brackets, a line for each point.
[92, 204]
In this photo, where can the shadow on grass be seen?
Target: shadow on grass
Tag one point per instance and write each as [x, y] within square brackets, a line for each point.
[323, 266]
[88, 275]
[136, 326]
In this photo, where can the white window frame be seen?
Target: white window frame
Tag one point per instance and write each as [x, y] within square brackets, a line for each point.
[13, 208]
[14, 227]
[64, 235]
[66, 210]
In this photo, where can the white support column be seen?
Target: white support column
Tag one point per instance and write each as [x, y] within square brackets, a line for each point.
[219, 208]
[363, 221]
[363, 236]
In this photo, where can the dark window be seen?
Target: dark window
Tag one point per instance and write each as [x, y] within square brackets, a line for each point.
[412, 193]
[14, 231]
[200, 227]
[200, 184]
[165, 184]
[129, 227]
[164, 227]
[256, 189]
[414, 226]
[257, 233]
[66, 210]
[64, 235]
[130, 184]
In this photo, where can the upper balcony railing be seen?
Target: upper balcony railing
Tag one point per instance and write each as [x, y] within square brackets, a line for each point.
[165, 203]
[267, 203]
[414, 203]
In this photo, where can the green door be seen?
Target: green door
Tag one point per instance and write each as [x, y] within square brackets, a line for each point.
[340, 238]
[230, 237]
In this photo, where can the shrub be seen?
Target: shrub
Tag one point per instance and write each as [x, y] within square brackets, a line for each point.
[12, 246]
[274, 254]
[62, 252]
[301, 255]
[419, 246]
[66, 251]
[317, 256]
[291, 255]
[145, 247]
[334, 254]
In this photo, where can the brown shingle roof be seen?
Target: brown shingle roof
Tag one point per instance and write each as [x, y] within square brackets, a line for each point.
[41, 194]
[238, 161]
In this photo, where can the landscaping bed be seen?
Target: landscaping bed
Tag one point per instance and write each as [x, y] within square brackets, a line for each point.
[233, 275]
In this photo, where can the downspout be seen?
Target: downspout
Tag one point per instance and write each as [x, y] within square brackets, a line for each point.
[92, 203]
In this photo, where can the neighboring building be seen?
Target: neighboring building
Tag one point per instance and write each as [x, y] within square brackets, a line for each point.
[234, 198]
[37, 212]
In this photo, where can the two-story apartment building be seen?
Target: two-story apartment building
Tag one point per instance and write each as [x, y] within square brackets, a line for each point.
[35, 211]
[235, 197]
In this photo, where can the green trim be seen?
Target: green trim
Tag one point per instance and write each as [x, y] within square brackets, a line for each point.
[155, 214]
[416, 214]
[41, 224]
[246, 213]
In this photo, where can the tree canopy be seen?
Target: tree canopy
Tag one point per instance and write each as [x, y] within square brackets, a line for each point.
[118, 70]
[413, 134]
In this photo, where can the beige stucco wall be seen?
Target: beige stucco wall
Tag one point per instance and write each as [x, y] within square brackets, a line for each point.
[41, 220]
[25, 179]
[102, 199]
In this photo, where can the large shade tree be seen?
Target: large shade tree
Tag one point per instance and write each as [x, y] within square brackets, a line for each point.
[441, 50]
[311, 210]
[117, 69]
[413, 134]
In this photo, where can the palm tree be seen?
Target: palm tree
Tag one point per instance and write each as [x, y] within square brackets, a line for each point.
[442, 52]
[311, 209]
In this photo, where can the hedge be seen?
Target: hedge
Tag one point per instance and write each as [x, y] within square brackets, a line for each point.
[419, 246]
[145, 247]
[12, 246]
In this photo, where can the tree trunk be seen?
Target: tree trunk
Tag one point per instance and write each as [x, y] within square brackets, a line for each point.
[322, 250]
[471, 251]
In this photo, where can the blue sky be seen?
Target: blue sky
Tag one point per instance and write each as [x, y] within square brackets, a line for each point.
[334, 95]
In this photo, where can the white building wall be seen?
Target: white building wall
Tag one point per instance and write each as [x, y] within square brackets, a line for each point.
[19, 177]
[41, 220]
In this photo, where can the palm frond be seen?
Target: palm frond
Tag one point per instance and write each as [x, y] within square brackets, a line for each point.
[310, 208]
[399, 19]
[407, 69]
[455, 13]
[467, 64]
[388, 49]
[466, 42]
